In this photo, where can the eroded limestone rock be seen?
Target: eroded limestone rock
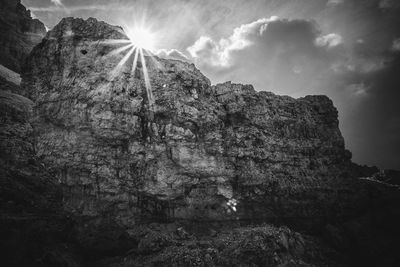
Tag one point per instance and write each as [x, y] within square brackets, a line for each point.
[195, 149]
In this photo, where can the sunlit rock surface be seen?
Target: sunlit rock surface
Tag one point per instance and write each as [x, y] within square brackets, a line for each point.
[19, 33]
[198, 148]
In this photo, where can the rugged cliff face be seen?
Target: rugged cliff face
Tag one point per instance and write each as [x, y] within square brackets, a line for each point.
[19, 33]
[200, 152]
[89, 169]
[33, 225]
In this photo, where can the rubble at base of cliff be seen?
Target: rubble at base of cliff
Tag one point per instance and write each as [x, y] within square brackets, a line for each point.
[262, 245]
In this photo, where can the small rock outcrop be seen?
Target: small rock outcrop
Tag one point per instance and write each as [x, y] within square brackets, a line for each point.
[19, 33]
[222, 153]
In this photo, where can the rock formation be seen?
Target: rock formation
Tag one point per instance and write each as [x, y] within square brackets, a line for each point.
[201, 152]
[32, 221]
[94, 173]
[19, 33]
[35, 230]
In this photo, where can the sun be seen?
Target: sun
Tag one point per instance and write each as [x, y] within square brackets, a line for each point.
[141, 38]
[140, 48]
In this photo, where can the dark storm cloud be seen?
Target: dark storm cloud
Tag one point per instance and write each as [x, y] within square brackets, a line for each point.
[346, 49]
[389, 4]
[378, 119]
[370, 122]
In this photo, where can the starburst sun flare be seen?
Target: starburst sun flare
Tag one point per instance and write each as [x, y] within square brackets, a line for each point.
[140, 43]
[141, 37]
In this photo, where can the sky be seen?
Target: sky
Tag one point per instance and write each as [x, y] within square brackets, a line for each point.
[348, 50]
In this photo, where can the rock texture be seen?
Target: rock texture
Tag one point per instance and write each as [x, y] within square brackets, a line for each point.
[216, 153]
[19, 33]
[247, 246]
[92, 175]
[33, 226]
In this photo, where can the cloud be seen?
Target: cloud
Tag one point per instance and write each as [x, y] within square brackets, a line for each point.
[62, 8]
[334, 2]
[269, 34]
[172, 54]
[273, 54]
[57, 6]
[206, 49]
[218, 53]
[57, 3]
[362, 65]
[396, 45]
[357, 89]
[386, 4]
[329, 40]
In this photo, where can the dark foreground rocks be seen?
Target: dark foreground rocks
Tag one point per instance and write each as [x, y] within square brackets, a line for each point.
[32, 221]
[247, 246]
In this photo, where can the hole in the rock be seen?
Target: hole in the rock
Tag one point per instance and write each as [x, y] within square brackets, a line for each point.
[84, 52]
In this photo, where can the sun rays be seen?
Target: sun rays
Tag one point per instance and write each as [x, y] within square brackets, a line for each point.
[141, 37]
[133, 48]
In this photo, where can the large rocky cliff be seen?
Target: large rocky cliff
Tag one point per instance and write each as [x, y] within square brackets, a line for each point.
[200, 152]
[19, 33]
[95, 174]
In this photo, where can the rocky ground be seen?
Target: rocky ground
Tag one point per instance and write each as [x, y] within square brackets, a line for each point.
[93, 172]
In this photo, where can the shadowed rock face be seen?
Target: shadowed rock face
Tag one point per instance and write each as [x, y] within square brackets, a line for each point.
[19, 33]
[219, 153]
[31, 218]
